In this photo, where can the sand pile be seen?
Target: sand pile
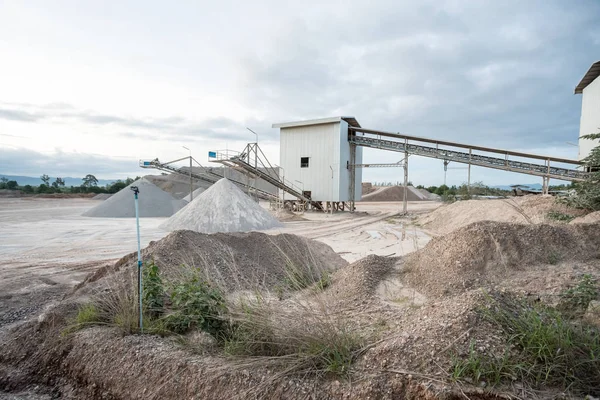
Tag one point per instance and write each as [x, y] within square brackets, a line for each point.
[590, 218]
[394, 193]
[522, 210]
[196, 193]
[285, 215]
[222, 208]
[176, 184]
[102, 196]
[152, 201]
[491, 251]
[367, 187]
[429, 195]
[235, 260]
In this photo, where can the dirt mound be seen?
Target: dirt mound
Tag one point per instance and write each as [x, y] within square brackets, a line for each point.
[362, 277]
[153, 202]
[394, 193]
[235, 260]
[491, 251]
[429, 195]
[222, 208]
[590, 218]
[521, 210]
[285, 215]
[367, 187]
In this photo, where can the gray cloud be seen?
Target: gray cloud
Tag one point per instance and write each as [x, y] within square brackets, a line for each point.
[18, 115]
[487, 73]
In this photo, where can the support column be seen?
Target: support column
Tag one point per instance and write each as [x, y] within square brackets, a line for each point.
[352, 170]
[469, 174]
[404, 202]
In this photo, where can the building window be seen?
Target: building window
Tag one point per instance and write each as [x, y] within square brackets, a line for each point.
[303, 162]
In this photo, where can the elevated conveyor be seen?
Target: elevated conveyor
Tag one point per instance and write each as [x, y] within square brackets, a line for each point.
[207, 175]
[262, 168]
[425, 147]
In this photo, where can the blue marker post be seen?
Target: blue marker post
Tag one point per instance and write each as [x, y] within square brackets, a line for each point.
[136, 191]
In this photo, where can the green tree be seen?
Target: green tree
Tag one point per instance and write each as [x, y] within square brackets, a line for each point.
[89, 181]
[587, 193]
[46, 179]
[28, 189]
[12, 185]
[58, 183]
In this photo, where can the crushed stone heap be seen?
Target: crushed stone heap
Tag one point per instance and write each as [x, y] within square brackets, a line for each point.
[196, 193]
[152, 202]
[222, 208]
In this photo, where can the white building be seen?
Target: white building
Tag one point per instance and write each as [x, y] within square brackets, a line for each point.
[315, 156]
[590, 109]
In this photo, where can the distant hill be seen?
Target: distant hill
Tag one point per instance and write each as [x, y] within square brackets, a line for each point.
[537, 186]
[36, 181]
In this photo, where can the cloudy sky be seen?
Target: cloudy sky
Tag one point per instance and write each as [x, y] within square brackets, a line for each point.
[92, 87]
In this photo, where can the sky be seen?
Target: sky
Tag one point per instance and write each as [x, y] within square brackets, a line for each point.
[93, 87]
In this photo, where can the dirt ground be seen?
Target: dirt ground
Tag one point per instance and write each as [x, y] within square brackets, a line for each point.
[413, 284]
[47, 247]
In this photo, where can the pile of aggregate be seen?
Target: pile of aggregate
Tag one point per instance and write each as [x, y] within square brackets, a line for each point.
[395, 193]
[152, 202]
[222, 208]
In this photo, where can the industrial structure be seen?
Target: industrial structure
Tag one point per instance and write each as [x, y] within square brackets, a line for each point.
[589, 87]
[318, 154]
[321, 159]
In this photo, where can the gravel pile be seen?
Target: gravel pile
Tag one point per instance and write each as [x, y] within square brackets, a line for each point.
[196, 194]
[153, 202]
[395, 193]
[222, 208]
[102, 196]
[234, 260]
[490, 251]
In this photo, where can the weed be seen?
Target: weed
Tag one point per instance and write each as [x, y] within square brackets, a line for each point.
[154, 293]
[554, 257]
[575, 301]
[307, 340]
[87, 314]
[549, 350]
[558, 216]
[196, 304]
[324, 282]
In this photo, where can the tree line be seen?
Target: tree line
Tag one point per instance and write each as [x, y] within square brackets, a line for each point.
[89, 184]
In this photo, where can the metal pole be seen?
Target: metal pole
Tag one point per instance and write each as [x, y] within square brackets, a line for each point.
[405, 205]
[191, 182]
[469, 174]
[139, 263]
[331, 202]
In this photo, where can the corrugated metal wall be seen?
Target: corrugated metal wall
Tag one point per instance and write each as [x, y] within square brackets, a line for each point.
[590, 117]
[327, 147]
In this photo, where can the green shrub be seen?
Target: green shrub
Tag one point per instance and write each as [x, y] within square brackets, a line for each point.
[548, 350]
[197, 304]
[575, 301]
[558, 216]
[154, 292]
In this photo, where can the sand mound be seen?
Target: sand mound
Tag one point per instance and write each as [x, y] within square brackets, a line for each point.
[590, 218]
[102, 196]
[522, 210]
[429, 195]
[222, 208]
[153, 202]
[362, 277]
[176, 184]
[285, 215]
[235, 260]
[490, 251]
[394, 193]
[196, 193]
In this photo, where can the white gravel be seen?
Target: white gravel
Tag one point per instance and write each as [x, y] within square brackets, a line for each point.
[196, 193]
[222, 208]
[153, 202]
